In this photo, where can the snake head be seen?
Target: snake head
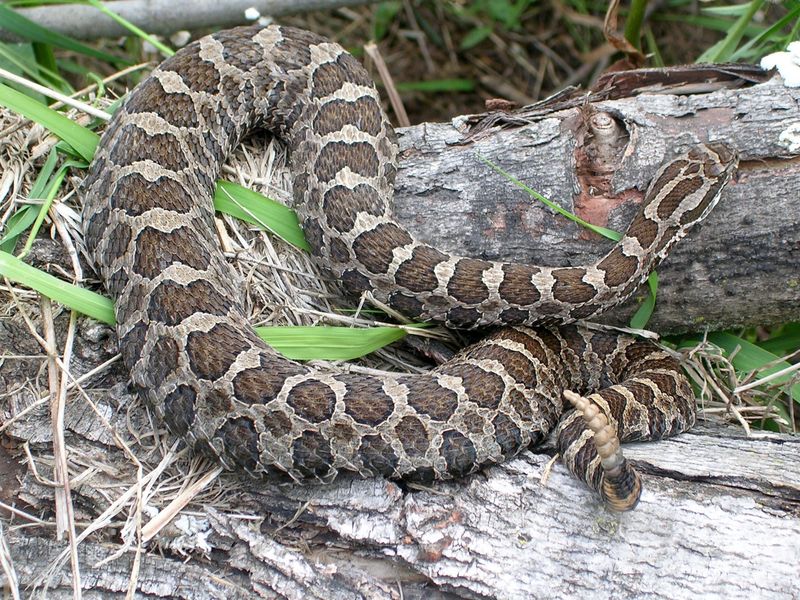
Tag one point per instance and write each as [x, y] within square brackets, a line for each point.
[719, 160]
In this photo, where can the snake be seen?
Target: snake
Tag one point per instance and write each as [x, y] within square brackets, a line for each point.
[536, 374]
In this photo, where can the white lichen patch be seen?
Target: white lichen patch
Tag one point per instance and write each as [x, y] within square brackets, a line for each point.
[789, 138]
[787, 63]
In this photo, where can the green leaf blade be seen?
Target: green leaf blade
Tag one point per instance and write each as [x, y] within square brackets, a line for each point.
[82, 140]
[28, 30]
[252, 207]
[77, 298]
[328, 343]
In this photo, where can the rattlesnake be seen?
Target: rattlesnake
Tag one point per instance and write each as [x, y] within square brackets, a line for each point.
[185, 339]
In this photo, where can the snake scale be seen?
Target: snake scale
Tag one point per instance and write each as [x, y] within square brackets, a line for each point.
[184, 335]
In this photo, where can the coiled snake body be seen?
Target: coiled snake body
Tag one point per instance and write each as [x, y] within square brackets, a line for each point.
[190, 351]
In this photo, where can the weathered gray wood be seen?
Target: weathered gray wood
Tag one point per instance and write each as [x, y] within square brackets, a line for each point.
[164, 17]
[739, 268]
[719, 510]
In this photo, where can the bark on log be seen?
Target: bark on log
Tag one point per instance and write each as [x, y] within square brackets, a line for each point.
[738, 268]
[164, 17]
[718, 512]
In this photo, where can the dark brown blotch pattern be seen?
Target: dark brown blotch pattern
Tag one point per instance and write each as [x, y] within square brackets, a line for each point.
[570, 287]
[466, 284]
[378, 456]
[681, 189]
[312, 400]
[118, 239]
[329, 77]
[163, 360]
[409, 306]
[342, 205]
[240, 441]
[211, 353]
[618, 267]
[484, 388]
[136, 195]
[515, 363]
[507, 434]
[179, 409]
[461, 316]
[690, 216]
[364, 114]
[171, 302]
[375, 247]
[134, 144]
[131, 345]
[366, 401]
[414, 437]
[359, 157]
[459, 453]
[431, 399]
[156, 250]
[643, 229]
[175, 108]
[312, 455]
[517, 286]
[197, 74]
[417, 274]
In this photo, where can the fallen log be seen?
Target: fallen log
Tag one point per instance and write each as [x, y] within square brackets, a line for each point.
[163, 17]
[718, 512]
[739, 268]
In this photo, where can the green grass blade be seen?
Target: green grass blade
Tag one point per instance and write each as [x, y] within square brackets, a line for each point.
[254, 208]
[328, 343]
[16, 226]
[712, 23]
[382, 18]
[40, 183]
[437, 85]
[26, 29]
[53, 185]
[77, 298]
[141, 33]
[645, 310]
[633, 22]
[723, 50]
[768, 34]
[475, 37]
[28, 215]
[83, 141]
[787, 341]
[46, 61]
[24, 63]
[605, 232]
